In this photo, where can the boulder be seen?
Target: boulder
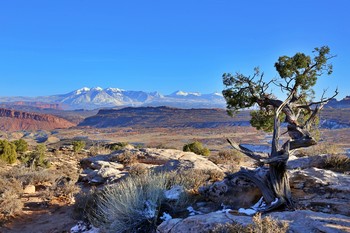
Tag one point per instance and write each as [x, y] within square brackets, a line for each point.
[321, 190]
[171, 159]
[201, 223]
[52, 139]
[299, 221]
[29, 189]
[102, 168]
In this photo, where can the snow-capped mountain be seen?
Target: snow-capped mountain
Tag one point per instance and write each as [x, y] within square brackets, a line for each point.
[97, 97]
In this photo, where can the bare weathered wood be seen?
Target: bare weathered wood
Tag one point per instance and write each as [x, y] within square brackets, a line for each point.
[246, 151]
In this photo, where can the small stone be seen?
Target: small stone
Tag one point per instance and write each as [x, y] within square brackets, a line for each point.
[29, 189]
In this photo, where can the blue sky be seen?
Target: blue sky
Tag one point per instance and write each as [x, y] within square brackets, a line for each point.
[53, 47]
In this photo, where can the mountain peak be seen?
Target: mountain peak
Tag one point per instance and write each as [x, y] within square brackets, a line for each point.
[97, 89]
[182, 93]
[82, 90]
[113, 89]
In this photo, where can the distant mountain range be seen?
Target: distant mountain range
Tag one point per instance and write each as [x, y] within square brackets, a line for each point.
[92, 98]
[95, 98]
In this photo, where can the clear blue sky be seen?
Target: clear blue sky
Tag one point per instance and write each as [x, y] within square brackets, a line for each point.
[53, 47]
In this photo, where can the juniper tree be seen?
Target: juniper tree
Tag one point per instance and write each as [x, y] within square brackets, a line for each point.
[297, 76]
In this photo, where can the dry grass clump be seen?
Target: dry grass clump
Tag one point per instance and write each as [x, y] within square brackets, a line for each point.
[138, 169]
[322, 148]
[131, 205]
[126, 158]
[136, 203]
[10, 192]
[28, 176]
[337, 163]
[259, 225]
[227, 157]
[193, 179]
[99, 149]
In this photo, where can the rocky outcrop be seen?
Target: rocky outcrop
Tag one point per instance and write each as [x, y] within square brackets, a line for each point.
[12, 120]
[321, 190]
[109, 168]
[299, 221]
[36, 104]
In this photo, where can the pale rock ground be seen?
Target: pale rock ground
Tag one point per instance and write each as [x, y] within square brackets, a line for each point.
[300, 221]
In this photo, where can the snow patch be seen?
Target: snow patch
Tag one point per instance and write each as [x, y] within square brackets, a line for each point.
[193, 211]
[97, 89]
[83, 227]
[252, 210]
[82, 90]
[112, 89]
[165, 217]
[246, 211]
[173, 193]
[149, 210]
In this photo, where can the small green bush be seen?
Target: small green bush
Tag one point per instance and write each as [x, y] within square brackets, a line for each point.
[117, 145]
[197, 148]
[21, 145]
[8, 151]
[36, 158]
[78, 145]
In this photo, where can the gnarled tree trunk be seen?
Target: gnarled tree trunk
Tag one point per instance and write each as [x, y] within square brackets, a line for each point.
[275, 186]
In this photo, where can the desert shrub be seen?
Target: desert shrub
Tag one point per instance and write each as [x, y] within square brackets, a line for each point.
[21, 145]
[131, 205]
[36, 158]
[126, 158]
[8, 151]
[32, 176]
[138, 169]
[65, 189]
[78, 145]
[337, 163]
[117, 145]
[98, 149]
[197, 148]
[227, 156]
[10, 191]
[259, 225]
[85, 204]
[322, 148]
[193, 179]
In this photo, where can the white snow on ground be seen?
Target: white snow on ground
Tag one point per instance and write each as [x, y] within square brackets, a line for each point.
[83, 227]
[173, 193]
[252, 210]
[193, 211]
[150, 209]
[246, 211]
[166, 217]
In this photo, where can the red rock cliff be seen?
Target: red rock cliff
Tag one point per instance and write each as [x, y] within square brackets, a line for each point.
[12, 120]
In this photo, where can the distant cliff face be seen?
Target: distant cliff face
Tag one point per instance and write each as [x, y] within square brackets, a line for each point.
[164, 117]
[40, 105]
[12, 120]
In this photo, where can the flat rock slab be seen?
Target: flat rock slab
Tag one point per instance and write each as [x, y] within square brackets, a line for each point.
[299, 221]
